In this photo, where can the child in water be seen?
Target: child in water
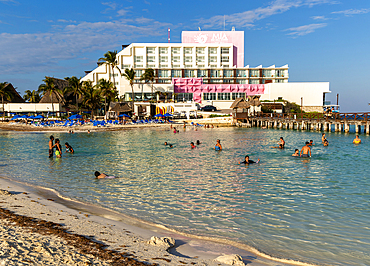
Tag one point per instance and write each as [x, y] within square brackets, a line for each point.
[69, 148]
[58, 151]
[296, 153]
[218, 146]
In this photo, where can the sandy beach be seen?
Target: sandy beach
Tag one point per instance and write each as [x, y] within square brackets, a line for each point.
[39, 227]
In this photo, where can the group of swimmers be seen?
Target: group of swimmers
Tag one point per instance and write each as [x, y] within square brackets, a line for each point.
[58, 148]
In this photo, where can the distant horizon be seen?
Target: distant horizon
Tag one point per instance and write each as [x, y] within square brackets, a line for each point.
[321, 40]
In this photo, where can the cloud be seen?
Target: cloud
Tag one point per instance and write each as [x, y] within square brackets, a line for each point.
[66, 21]
[122, 12]
[319, 18]
[111, 6]
[304, 30]
[247, 18]
[46, 51]
[351, 12]
[9, 1]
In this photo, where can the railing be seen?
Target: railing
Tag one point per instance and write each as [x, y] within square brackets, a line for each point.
[361, 117]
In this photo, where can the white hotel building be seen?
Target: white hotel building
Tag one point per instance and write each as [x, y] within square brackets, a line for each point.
[207, 67]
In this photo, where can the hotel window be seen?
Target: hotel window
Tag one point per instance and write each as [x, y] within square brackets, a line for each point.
[138, 73]
[241, 73]
[189, 73]
[224, 50]
[238, 95]
[151, 66]
[188, 50]
[254, 73]
[126, 66]
[163, 59]
[254, 81]
[223, 96]
[228, 73]
[225, 59]
[138, 59]
[200, 59]
[267, 73]
[163, 50]
[184, 97]
[176, 59]
[279, 73]
[202, 73]
[176, 66]
[201, 66]
[150, 59]
[113, 75]
[242, 81]
[176, 73]
[212, 59]
[188, 59]
[139, 81]
[200, 50]
[139, 66]
[212, 66]
[150, 50]
[167, 81]
[212, 50]
[228, 81]
[279, 81]
[215, 73]
[175, 50]
[209, 96]
[163, 73]
[217, 81]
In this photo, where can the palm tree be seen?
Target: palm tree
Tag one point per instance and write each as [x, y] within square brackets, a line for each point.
[110, 59]
[129, 74]
[49, 87]
[32, 96]
[149, 75]
[107, 90]
[91, 97]
[74, 86]
[5, 93]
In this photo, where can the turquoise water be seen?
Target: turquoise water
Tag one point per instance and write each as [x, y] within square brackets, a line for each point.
[312, 210]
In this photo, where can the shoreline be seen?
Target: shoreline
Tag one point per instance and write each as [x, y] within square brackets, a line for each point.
[90, 220]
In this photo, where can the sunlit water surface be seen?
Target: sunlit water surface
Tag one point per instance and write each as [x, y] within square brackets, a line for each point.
[313, 210]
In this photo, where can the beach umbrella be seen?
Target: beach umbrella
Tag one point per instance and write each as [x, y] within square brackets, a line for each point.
[126, 115]
[24, 116]
[39, 117]
[167, 115]
[74, 117]
[158, 115]
[16, 117]
[31, 117]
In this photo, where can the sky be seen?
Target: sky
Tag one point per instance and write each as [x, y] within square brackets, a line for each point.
[320, 40]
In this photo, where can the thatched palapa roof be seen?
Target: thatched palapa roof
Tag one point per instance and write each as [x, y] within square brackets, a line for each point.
[61, 84]
[120, 107]
[240, 103]
[16, 98]
[254, 100]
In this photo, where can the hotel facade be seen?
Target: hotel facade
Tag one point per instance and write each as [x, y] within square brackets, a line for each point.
[207, 67]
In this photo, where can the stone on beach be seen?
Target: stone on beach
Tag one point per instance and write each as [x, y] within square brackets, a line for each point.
[233, 259]
[5, 192]
[165, 242]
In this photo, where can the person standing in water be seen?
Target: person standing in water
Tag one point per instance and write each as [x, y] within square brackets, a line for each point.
[306, 150]
[323, 138]
[218, 146]
[69, 148]
[58, 148]
[357, 140]
[51, 145]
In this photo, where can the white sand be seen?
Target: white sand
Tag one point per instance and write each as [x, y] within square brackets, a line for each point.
[20, 246]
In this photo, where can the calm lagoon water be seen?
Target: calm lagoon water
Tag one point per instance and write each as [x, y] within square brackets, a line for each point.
[312, 210]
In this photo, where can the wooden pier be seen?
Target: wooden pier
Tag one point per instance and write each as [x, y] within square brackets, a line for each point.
[338, 122]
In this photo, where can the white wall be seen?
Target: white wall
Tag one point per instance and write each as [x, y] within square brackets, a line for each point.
[32, 107]
[312, 92]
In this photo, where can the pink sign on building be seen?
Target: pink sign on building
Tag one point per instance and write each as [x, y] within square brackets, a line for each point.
[196, 86]
[234, 37]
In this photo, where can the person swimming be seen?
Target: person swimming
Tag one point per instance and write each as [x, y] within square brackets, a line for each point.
[326, 143]
[247, 161]
[218, 146]
[165, 143]
[357, 140]
[198, 142]
[101, 176]
[192, 145]
[281, 144]
[296, 153]
[69, 148]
